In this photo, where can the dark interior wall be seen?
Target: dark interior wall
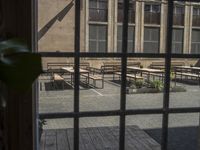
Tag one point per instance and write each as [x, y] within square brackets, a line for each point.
[16, 21]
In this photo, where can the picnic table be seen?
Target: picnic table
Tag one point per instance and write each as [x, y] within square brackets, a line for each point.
[71, 71]
[86, 74]
[148, 71]
[187, 71]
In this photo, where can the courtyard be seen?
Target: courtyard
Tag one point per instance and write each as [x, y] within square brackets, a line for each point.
[181, 126]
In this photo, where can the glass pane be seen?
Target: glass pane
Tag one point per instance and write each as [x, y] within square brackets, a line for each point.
[178, 17]
[151, 40]
[93, 32]
[55, 86]
[56, 134]
[195, 11]
[155, 34]
[143, 132]
[92, 46]
[119, 46]
[155, 8]
[145, 83]
[56, 26]
[195, 35]
[100, 133]
[130, 33]
[102, 33]
[147, 7]
[184, 88]
[103, 4]
[130, 47]
[102, 46]
[179, 10]
[183, 131]
[92, 3]
[101, 89]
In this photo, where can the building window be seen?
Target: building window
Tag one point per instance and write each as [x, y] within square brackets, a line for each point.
[131, 34]
[196, 16]
[151, 40]
[195, 48]
[97, 38]
[177, 41]
[98, 17]
[131, 11]
[178, 17]
[152, 13]
[98, 10]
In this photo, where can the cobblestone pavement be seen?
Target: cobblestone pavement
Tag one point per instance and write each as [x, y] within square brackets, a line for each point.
[94, 99]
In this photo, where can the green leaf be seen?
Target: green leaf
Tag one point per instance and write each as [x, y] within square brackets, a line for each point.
[13, 46]
[22, 70]
[18, 66]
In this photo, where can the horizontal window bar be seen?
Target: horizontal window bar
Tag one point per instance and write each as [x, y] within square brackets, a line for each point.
[147, 55]
[118, 112]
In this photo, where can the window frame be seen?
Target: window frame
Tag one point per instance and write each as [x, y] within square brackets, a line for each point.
[122, 112]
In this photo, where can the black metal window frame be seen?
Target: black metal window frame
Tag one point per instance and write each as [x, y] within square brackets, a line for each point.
[122, 112]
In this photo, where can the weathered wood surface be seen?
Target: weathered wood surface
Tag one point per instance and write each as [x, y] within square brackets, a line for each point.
[97, 138]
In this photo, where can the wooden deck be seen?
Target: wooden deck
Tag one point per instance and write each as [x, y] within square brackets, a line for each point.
[97, 138]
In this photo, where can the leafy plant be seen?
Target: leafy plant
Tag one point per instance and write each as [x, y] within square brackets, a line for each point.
[157, 84]
[18, 66]
[137, 84]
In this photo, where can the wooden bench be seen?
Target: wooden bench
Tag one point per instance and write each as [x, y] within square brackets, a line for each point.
[57, 78]
[94, 78]
[161, 64]
[130, 76]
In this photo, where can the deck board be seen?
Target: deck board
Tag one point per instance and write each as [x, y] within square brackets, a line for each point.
[97, 138]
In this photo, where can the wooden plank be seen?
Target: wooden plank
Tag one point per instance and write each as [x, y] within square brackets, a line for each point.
[138, 140]
[62, 140]
[70, 138]
[42, 141]
[97, 139]
[110, 141]
[100, 138]
[50, 140]
[85, 140]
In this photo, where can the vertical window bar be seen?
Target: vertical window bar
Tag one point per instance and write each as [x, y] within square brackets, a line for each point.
[124, 70]
[165, 120]
[77, 78]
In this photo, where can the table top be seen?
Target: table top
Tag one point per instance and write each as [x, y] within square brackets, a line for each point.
[187, 67]
[71, 70]
[146, 70]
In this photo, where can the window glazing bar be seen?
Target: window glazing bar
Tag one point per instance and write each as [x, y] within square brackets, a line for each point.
[117, 112]
[164, 142]
[123, 78]
[104, 55]
[76, 77]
